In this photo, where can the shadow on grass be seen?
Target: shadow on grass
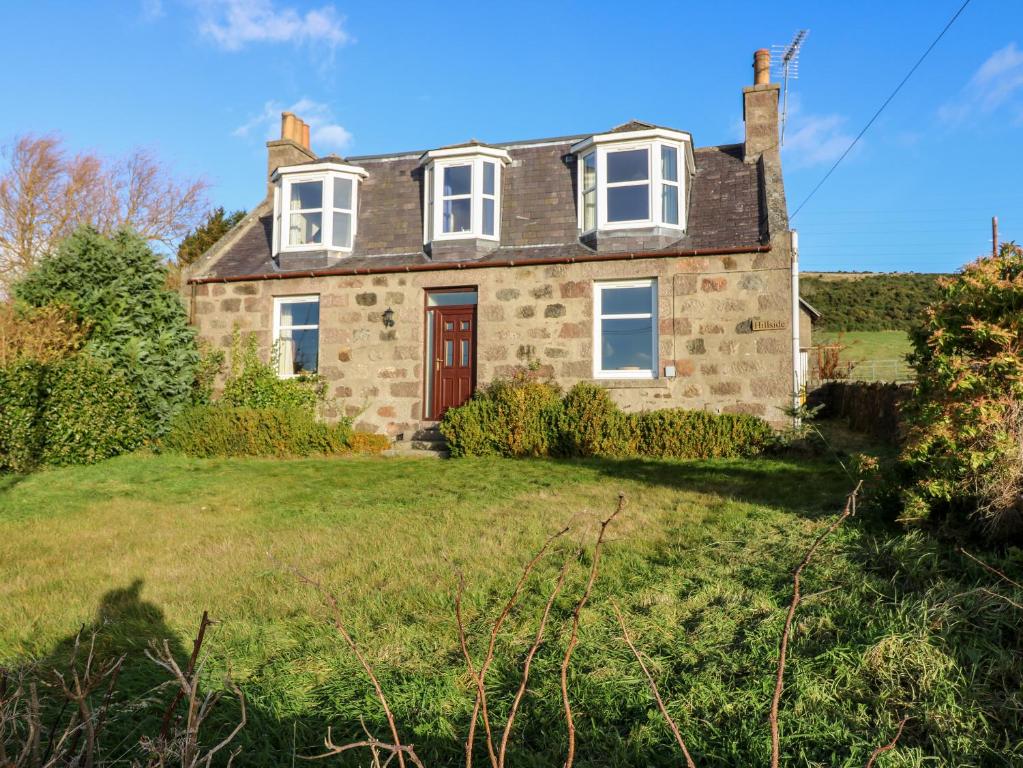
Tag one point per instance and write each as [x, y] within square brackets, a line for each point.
[807, 487]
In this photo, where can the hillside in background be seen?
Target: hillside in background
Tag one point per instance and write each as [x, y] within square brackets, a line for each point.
[851, 301]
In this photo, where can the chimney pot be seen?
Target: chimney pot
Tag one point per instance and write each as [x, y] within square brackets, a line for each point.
[305, 135]
[762, 67]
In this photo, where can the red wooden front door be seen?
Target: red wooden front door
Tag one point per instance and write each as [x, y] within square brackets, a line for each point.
[454, 357]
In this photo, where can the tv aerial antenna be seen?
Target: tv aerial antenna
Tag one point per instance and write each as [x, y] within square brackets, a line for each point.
[785, 63]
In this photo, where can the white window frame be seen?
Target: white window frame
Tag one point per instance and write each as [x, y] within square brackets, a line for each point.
[602, 192]
[283, 180]
[441, 172]
[651, 140]
[665, 182]
[434, 162]
[585, 190]
[436, 179]
[598, 316]
[279, 302]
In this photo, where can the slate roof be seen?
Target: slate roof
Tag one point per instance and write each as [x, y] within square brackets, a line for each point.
[538, 216]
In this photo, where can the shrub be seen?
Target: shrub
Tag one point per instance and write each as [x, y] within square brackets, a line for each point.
[211, 365]
[89, 413]
[524, 417]
[368, 443]
[253, 383]
[509, 417]
[21, 396]
[76, 411]
[680, 434]
[965, 445]
[592, 425]
[43, 334]
[217, 430]
[117, 285]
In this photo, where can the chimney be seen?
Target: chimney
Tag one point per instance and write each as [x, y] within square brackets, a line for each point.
[760, 109]
[292, 148]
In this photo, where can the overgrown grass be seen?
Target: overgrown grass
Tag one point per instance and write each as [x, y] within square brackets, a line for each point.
[699, 562]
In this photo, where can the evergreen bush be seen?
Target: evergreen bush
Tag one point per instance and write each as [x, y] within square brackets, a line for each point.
[525, 417]
[509, 417]
[253, 383]
[964, 452]
[593, 425]
[21, 398]
[74, 411]
[89, 413]
[117, 286]
[218, 430]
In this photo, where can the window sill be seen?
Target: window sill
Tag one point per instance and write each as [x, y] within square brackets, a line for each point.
[650, 383]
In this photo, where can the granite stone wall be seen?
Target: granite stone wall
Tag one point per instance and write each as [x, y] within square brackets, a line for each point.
[706, 306]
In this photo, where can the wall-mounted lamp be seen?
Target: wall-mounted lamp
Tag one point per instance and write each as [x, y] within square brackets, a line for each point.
[388, 318]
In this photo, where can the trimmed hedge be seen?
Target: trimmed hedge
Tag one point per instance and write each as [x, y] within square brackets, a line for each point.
[515, 417]
[216, 430]
[90, 413]
[525, 417]
[76, 411]
[680, 434]
[21, 399]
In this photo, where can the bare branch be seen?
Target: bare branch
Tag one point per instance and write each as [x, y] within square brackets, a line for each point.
[990, 568]
[528, 663]
[779, 684]
[574, 636]
[332, 602]
[480, 678]
[653, 688]
[887, 747]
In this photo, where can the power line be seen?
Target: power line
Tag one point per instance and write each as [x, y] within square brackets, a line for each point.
[881, 108]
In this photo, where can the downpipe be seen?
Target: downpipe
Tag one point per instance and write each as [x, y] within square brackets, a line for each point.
[797, 384]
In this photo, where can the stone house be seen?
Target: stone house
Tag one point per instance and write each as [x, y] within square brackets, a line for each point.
[662, 271]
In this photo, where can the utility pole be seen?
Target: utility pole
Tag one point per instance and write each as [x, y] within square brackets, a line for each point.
[994, 236]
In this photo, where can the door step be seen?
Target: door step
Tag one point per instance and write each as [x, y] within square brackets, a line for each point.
[425, 441]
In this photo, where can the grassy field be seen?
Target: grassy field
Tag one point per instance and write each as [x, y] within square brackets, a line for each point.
[700, 562]
[870, 345]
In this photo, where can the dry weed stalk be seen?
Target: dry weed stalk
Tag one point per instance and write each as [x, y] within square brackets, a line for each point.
[889, 746]
[653, 688]
[180, 745]
[396, 748]
[75, 741]
[779, 684]
[479, 678]
[573, 638]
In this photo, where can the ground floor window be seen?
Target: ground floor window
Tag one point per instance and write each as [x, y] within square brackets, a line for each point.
[625, 329]
[296, 334]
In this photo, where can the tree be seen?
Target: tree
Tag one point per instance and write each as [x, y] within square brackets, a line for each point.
[217, 224]
[965, 447]
[117, 286]
[46, 193]
[205, 235]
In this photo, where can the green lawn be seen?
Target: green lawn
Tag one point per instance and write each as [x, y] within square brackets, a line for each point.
[700, 563]
[870, 345]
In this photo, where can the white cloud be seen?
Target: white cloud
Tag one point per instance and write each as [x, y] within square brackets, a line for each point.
[325, 133]
[152, 9]
[233, 24]
[814, 139]
[995, 83]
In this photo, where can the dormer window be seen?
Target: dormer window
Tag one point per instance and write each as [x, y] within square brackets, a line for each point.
[462, 193]
[315, 207]
[631, 180]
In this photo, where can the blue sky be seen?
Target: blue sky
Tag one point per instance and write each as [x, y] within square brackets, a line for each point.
[202, 82]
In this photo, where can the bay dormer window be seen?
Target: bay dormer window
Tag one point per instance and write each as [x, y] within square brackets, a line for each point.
[316, 207]
[462, 193]
[633, 180]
